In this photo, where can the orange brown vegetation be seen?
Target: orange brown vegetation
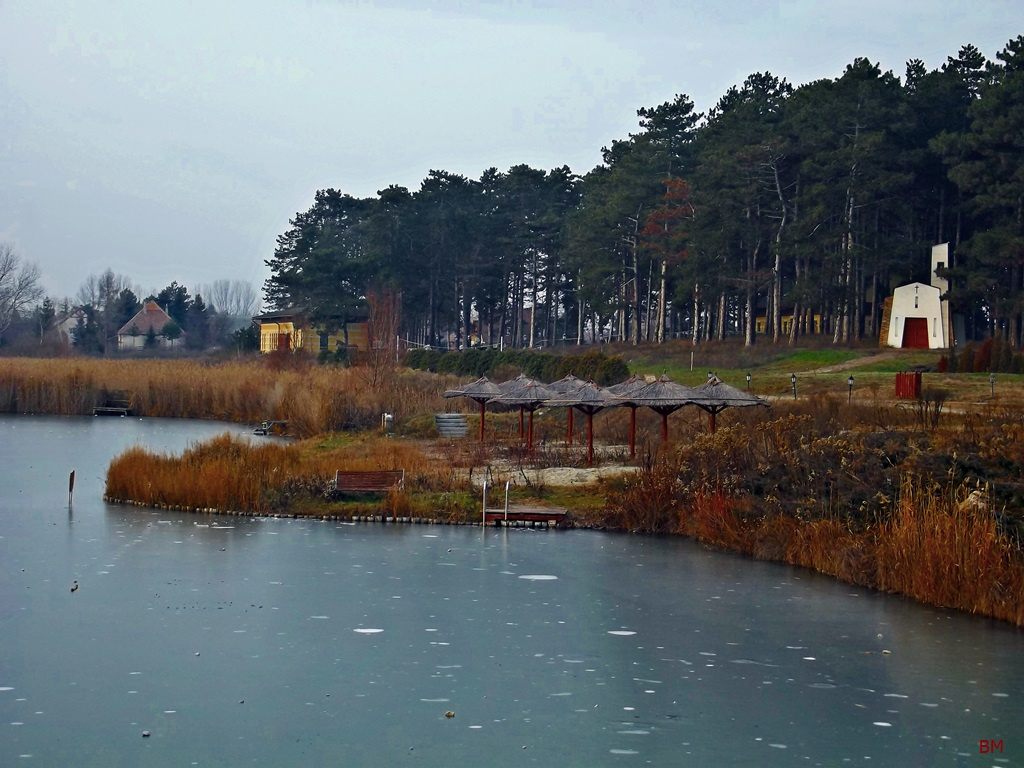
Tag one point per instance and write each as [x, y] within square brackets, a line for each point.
[229, 474]
[311, 398]
[932, 515]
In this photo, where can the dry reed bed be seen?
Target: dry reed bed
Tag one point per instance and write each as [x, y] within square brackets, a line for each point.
[231, 474]
[938, 547]
[941, 546]
[313, 399]
[932, 516]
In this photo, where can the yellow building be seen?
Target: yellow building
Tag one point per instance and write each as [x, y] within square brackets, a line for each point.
[786, 324]
[289, 330]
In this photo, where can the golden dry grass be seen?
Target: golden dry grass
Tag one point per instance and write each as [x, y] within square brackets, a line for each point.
[941, 546]
[312, 399]
[231, 474]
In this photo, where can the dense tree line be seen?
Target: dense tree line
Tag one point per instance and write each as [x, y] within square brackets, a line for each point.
[803, 206]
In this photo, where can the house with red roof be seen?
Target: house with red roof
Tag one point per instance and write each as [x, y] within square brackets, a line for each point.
[148, 323]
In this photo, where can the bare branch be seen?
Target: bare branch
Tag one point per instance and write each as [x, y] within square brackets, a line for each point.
[19, 285]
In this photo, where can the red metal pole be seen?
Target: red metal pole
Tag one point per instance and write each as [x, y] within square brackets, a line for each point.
[632, 431]
[483, 407]
[590, 439]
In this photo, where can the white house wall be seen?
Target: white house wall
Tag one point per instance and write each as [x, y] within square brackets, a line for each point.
[917, 300]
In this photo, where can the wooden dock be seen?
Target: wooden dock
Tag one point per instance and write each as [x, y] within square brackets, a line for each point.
[271, 428]
[530, 517]
[519, 516]
[111, 410]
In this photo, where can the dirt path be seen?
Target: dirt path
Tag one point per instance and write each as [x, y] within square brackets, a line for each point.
[888, 354]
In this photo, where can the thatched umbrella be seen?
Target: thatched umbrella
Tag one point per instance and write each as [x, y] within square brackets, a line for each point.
[529, 395]
[588, 398]
[564, 385]
[664, 396]
[481, 390]
[623, 393]
[715, 396]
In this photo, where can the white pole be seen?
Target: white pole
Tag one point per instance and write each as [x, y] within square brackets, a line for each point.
[507, 484]
[483, 513]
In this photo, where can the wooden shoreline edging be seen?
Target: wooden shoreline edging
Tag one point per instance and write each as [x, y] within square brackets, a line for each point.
[560, 519]
[704, 535]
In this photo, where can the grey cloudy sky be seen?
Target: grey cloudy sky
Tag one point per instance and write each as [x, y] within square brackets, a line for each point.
[174, 140]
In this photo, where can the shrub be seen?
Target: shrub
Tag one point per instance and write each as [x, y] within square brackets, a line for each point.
[448, 362]
[592, 365]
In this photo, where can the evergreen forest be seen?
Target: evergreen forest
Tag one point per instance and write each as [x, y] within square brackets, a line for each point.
[784, 211]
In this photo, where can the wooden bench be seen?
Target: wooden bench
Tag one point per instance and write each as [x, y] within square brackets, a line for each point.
[368, 481]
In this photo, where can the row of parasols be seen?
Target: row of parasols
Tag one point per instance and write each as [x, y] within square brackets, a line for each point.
[662, 396]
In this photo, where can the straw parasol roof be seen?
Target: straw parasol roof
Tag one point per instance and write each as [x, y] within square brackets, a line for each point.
[624, 392]
[481, 390]
[588, 398]
[663, 396]
[715, 396]
[567, 383]
[529, 395]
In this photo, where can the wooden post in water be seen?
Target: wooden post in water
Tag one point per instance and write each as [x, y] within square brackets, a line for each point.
[71, 487]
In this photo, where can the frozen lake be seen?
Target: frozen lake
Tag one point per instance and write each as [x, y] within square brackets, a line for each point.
[236, 641]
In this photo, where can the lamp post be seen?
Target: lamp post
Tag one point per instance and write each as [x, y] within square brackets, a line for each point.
[792, 379]
[992, 383]
[850, 382]
[748, 382]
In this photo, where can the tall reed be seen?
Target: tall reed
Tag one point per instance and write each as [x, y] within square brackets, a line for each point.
[312, 399]
[231, 474]
[944, 546]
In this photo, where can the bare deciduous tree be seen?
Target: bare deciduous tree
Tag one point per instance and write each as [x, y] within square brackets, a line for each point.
[19, 285]
[103, 292]
[382, 336]
[234, 302]
[234, 298]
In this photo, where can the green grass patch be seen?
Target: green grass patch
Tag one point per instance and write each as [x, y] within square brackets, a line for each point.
[587, 498]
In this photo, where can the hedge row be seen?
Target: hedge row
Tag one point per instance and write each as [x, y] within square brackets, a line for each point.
[593, 366]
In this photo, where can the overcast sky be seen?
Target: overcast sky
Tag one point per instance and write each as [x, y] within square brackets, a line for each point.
[174, 140]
